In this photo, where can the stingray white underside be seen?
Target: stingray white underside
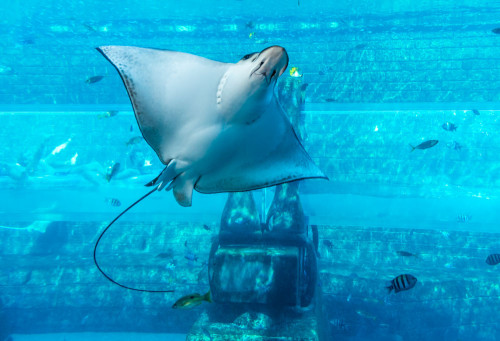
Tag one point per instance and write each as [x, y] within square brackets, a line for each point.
[177, 97]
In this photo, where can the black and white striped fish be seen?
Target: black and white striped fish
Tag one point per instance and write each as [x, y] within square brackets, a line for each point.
[493, 259]
[401, 283]
[113, 202]
[463, 218]
[339, 324]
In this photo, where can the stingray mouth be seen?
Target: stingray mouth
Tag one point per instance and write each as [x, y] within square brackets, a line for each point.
[270, 63]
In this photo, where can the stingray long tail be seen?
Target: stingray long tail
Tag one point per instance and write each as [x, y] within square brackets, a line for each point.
[102, 234]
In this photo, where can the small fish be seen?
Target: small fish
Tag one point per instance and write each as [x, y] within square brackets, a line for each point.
[60, 147]
[249, 25]
[112, 170]
[191, 301]
[493, 259]
[406, 254]
[206, 227]
[476, 112]
[295, 72]
[134, 140]
[113, 202]
[107, 114]
[5, 69]
[27, 41]
[328, 244]
[90, 28]
[449, 126]
[27, 278]
[454, 145]
[84, 320]
[449, 265]
[73, 159]
[94, 79]
[366, 315]
[144, 244]
[329, 100]
[360, 47]
[425, 145]
[170, 266]
[164, 255]
[401, 283]
[463, 218]
[251, 35]
[496, 30]
[191, 256]
[338, 324]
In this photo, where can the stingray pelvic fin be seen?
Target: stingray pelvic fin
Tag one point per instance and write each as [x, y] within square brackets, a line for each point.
[183, 186]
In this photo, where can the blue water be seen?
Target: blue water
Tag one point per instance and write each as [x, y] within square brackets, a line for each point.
[380, 75]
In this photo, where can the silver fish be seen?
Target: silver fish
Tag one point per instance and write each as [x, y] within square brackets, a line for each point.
[134, 140]
[94, 79]
[406, 254]
[425, 145]
[112, 170]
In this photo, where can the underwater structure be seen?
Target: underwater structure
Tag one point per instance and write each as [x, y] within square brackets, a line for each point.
[264, 272]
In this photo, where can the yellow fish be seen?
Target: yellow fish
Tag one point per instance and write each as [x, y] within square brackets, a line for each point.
[107, 114]
[191, 301]
[294, 72]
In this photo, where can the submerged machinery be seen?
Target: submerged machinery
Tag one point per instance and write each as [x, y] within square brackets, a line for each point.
[273, 262]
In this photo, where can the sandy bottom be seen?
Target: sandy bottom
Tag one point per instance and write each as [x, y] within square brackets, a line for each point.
[98, 337]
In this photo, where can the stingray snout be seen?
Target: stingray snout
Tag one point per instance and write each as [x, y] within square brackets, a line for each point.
[271, 63]
[277, 57]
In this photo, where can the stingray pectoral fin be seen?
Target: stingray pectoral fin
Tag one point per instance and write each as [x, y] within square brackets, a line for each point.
[269, 154]
[161, 85]
[288, 162]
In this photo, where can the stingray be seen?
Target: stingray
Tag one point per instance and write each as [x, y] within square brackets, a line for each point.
[217, 127]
